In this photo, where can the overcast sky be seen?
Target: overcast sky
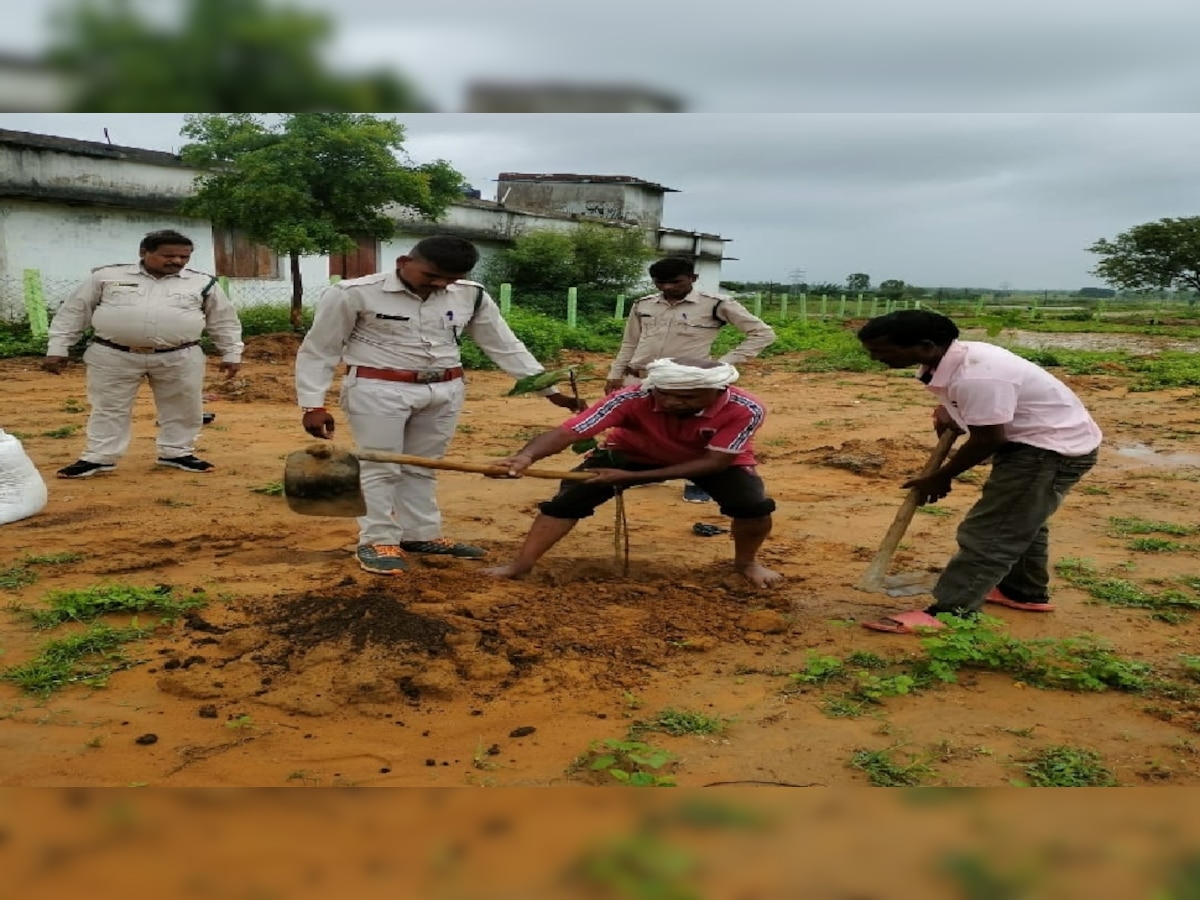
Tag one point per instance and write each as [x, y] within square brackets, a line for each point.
[937, 199]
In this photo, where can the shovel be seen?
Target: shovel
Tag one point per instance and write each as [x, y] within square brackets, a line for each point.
[323, 481]
[908, 584]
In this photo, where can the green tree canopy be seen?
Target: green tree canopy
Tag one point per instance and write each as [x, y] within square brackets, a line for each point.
[859, 281]
[597, 259]
[310, 183]
[1162, 255]
[218, 55]
[892, 287]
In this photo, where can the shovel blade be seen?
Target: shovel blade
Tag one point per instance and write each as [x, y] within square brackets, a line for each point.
[909, 584]
[321, 481]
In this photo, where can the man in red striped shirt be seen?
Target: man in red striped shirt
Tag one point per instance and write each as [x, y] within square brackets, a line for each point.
[683, 421]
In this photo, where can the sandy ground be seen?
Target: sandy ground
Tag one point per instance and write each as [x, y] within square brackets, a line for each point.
[303, 670]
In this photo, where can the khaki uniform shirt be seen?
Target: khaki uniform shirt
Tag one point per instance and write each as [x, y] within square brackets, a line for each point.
[657, 329]
[127, 305]
[377, 321]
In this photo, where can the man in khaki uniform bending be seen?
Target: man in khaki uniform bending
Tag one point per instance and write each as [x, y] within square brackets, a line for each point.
[147, 319]
[398, 334]
[681, 321]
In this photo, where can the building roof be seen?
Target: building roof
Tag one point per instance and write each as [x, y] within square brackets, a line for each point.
[566, 178]
[87, 148]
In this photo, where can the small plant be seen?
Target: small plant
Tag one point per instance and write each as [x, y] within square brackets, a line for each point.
[95, 743]
[630, 762]
[87, 658]
[882, 771]
[864, 659]
[1120, 592]
[632, 700]
[1094, 490]
[17, 576]
[270, 489]
[1068, 767]
[53, 559]
[65, 432]
[1156, 545]
[87, 604]
[639, 866]
[819, 669]
[72, 405]
[937, 511]
[1135, 525]
[240, 723]
[679, 722]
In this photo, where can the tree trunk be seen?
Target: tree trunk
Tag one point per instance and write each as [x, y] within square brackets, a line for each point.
[297, 294]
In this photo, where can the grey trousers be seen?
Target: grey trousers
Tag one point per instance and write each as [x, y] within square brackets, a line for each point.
[1004, 540]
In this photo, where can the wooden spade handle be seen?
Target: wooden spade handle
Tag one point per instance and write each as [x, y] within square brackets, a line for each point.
[450, 465]
[873, 578]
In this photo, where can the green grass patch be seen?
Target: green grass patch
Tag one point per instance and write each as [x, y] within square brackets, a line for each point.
[939, 512]
[1134, 525]
[65, 432]
[1167, 605]
[87, 658]
[1065, 766]
[680, 722]
[21, 573]
[883, 771]
[1156, 545]
[270, 489]
[88, 604]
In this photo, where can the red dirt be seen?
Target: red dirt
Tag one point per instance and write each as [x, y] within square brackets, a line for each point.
[304, 670]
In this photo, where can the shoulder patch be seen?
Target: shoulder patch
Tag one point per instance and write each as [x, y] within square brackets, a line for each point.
[123, 265]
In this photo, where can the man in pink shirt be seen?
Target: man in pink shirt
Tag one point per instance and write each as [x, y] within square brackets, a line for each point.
[1041, 441]
[683, 421]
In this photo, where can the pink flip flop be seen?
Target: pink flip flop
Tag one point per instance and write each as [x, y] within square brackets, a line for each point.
[994, 596]
[906, 623]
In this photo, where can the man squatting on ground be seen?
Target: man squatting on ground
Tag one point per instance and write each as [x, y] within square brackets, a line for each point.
[682, 321]
[147, 319]
[398, 333]
[1040, 438]
[683, 421]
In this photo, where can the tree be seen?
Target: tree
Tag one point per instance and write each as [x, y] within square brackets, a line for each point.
[597, 259]
[1162, 255]
[859, 281]
[311, 183]
[221, 55]
[892, 288]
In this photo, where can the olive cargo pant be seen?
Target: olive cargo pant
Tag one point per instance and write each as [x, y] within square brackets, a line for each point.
[1004, 539]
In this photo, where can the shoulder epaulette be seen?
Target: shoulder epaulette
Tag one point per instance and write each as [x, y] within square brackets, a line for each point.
[123, 265]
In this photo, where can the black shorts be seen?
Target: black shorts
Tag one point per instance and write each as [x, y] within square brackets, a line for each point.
[738, 490]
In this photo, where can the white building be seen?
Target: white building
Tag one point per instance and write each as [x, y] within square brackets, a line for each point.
[67, 206]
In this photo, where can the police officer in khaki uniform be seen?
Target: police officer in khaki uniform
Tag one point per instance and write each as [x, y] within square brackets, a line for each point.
[681, 321]
[398, 334]
[147, 319]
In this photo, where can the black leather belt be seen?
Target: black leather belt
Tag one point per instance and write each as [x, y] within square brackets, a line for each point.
[116, 346]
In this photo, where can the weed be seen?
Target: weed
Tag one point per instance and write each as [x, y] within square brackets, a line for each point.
[65, 432]
[819, 669]
[16, 576]
[679, 721]
[978, 880]
[1120, 592]
[72, 405]
[53, 559]
[938, 511]
[630, 762]
[1065, 766]
[1156, 545]
[271, 489]
[87, 604]
[88, 658]
[95, 743]
[1134, 525]
[864, 659]
[305, 775]
[882, 771]
[240, 723]
[1094, 490]
[632, 700]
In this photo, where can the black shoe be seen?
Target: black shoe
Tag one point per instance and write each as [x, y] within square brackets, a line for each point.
[705, 530]
[443, 547]
[695, 494]
[84, 469]
[188, 463]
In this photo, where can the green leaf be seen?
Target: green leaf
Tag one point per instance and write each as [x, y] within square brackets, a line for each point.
[533, 383]
[585, 445]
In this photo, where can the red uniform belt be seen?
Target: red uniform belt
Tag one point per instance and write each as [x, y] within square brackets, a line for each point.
[116, 346]
[415, 376]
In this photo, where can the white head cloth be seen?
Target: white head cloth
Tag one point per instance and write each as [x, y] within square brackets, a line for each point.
[668, 375]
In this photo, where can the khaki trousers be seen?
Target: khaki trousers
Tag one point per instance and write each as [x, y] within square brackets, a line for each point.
[113, 378]
[398, 417]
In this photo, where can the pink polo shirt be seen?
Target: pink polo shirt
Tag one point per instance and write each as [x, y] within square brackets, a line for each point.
[645, 434]
[982, 384]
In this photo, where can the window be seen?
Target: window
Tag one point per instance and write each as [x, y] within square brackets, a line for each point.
[238, 257]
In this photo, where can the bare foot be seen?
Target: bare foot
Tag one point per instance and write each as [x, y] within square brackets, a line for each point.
[512, 570]
[760, 576]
